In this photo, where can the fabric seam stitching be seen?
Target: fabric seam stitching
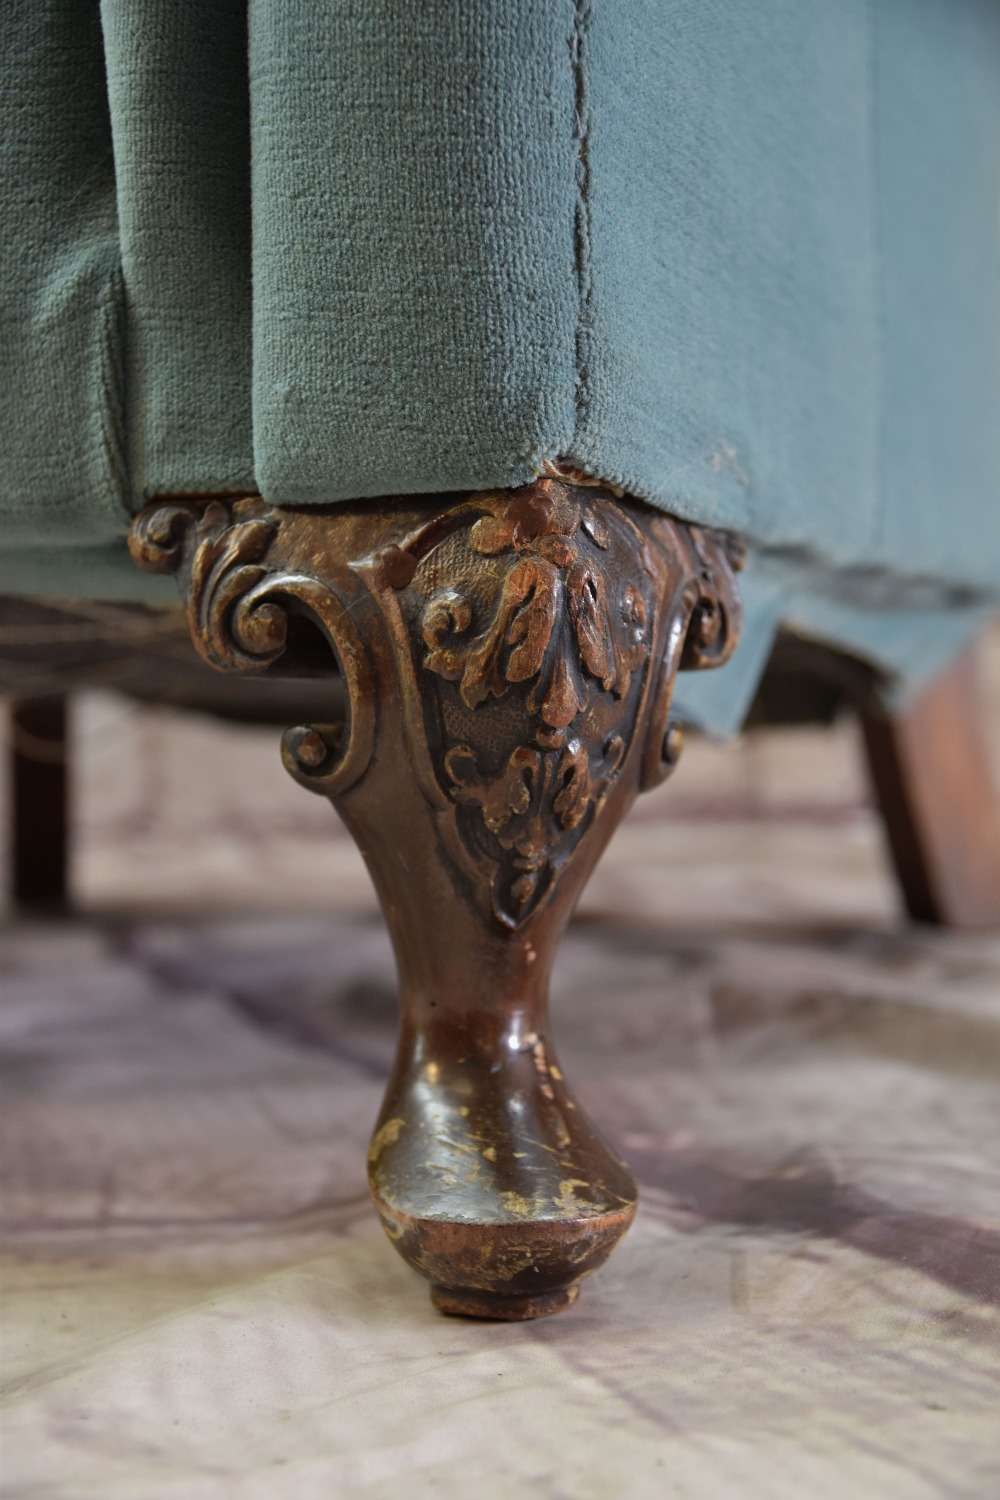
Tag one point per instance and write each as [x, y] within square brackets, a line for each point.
[582, 215]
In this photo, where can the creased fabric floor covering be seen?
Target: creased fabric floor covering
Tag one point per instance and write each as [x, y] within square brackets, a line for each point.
[199, 1303]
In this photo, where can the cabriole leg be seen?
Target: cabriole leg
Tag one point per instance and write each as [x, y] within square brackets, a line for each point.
[508, 661]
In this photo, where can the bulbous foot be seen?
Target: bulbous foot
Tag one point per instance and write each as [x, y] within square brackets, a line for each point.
[508, 662]
[488, 1176]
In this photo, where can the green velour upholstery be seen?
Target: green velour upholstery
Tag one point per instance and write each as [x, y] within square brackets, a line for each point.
[743, 259]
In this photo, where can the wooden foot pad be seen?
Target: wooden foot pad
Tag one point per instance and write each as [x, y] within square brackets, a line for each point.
[487, 1306]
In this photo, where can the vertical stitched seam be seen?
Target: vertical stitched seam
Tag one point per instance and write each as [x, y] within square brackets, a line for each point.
[113, 384]
[582, 216]
[878, 531]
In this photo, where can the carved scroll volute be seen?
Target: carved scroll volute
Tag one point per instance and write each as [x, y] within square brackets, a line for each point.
[236, 565]
[705, 619]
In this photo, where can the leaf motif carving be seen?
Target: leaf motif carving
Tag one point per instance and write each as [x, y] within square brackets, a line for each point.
[588, 608]
[448, 613]
[575, 786]
[511, 649]
[527, 616]
[561, 624]
[502, 797]
[559, 695]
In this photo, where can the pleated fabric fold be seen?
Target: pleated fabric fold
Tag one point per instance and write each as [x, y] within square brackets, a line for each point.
[62, 419]
[180, 119]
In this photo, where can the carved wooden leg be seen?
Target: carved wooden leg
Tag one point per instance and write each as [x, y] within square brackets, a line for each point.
[930, 767]
[508, 660]
[39, 783]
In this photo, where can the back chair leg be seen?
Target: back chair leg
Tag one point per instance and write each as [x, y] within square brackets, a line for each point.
[39, 795]
[933, 779]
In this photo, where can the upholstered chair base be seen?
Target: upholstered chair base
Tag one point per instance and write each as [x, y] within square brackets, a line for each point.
[508, 659]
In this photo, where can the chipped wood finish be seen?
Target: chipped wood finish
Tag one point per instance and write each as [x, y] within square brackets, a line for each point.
[508, 659]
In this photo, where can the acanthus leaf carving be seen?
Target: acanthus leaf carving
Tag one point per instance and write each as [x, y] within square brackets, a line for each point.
[556, 630]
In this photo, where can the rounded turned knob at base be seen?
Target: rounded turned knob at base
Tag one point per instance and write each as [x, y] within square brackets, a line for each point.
[466, 1303]
[504, 1271]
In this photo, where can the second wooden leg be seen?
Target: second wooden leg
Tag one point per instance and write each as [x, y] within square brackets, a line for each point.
[39, 785]
[931, 769]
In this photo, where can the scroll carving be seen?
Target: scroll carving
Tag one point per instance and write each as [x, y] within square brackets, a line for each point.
[242, 591]
[530, 633]
[230, 624]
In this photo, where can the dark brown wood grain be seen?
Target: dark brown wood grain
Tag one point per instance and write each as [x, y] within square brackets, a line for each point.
[508, 659]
